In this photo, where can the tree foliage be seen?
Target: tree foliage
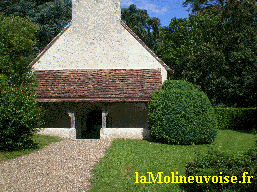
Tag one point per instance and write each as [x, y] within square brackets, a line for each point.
[19, 116]
[50, 16]
[199, 5]
[19, 112]
[216, 50]
[17, 42]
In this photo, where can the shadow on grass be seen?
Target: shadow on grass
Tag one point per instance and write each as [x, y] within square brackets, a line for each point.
[29, 145]
[37, 142]
[253, 131]
[162, 141]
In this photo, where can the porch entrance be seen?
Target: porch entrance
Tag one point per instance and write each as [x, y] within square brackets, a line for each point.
[91, 125]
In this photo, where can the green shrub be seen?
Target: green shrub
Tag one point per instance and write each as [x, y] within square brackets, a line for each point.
[181, 85]
[19, 116]
[181, 114]
[230, 165]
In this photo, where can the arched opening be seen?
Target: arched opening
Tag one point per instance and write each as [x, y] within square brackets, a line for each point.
[91, 125]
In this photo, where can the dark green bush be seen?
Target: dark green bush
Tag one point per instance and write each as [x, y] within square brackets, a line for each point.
[182, 85]
[228, 164]
[19, 116]
[237, 118]
[181, 114]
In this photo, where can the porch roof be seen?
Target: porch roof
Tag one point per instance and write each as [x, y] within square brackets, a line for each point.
[100, 85]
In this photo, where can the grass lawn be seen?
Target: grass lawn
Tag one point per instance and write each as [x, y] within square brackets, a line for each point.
[116, 170]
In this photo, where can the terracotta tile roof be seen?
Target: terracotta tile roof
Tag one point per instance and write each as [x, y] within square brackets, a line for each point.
[98, 84]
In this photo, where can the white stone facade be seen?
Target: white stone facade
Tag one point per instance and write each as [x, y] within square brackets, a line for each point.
[97, 39]
[82, 48]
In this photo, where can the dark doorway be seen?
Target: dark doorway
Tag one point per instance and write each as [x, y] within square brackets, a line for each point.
[91, 125]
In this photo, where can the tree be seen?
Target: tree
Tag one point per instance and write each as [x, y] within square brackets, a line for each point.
[199, 5]
[16, 43]
[19, 112]
[141, 24]
[50, 16]
[19, 116]
[216, 50]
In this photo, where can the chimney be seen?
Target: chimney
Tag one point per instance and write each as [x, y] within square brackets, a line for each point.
[96, 17]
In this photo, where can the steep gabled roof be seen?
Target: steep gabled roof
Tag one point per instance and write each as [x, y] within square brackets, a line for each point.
[51, 43]
[169, 71]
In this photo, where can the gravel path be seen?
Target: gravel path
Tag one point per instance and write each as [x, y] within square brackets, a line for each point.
[61, 166]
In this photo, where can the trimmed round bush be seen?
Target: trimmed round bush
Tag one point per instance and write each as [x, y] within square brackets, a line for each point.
[178, 84]
[179, 113]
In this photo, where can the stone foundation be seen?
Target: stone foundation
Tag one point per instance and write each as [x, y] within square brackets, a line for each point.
[60, 132]
[124, 133]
